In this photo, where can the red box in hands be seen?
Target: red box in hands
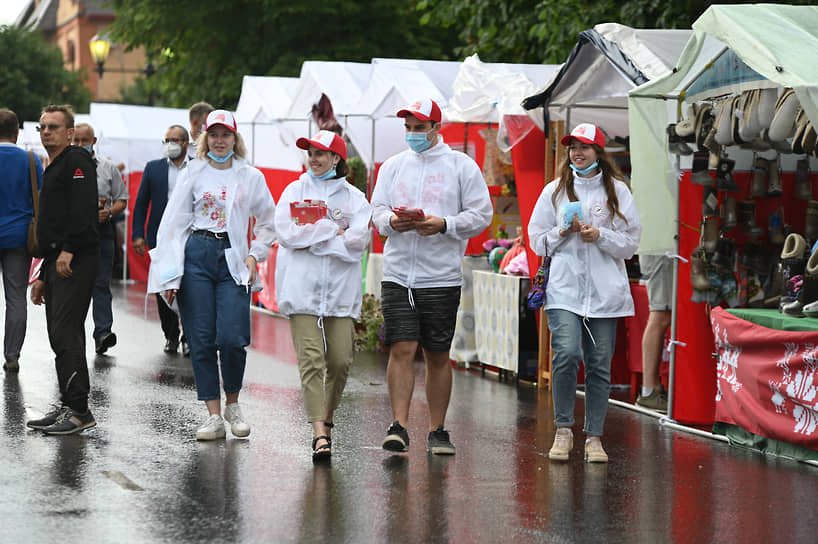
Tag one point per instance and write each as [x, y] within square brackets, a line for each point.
[412, 213]
[308, 211]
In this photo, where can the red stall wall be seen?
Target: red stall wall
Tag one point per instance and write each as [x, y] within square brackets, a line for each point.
[695, 369]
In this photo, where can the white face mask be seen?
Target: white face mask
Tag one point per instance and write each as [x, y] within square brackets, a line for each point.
[173, 150]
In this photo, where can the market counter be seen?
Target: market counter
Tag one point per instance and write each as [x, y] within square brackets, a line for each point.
[767, 378]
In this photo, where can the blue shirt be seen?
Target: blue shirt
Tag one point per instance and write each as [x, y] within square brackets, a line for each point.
[15, 195]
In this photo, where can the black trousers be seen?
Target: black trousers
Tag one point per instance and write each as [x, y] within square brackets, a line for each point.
[168, 318]
[66, 307]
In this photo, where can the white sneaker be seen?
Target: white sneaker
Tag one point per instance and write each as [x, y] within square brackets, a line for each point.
[233, 415]
[563, 444]
[212, 429]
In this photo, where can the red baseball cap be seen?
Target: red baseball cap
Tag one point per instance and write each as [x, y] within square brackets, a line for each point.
[585, 133]
[221, 117]
[326, 140]
[425, 110]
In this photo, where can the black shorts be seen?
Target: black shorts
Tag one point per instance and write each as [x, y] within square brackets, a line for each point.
[432, 320]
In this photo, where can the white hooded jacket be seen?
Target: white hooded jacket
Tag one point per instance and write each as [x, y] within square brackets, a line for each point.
[251, 197]
[443, 183]
[318, 271]
[587, 278]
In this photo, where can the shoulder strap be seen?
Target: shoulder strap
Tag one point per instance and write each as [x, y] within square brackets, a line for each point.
[35, 195]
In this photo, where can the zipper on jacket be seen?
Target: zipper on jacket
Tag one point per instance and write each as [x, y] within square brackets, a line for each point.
[412, 269]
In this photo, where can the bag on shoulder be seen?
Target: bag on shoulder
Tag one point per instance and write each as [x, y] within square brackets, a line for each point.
[32, 246]
[536, 296]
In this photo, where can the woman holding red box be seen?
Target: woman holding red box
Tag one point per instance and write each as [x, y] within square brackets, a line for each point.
[318, 277]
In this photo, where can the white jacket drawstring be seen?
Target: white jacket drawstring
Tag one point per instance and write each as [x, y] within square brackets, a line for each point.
[587, 328]
[411, 298]
[323, 333]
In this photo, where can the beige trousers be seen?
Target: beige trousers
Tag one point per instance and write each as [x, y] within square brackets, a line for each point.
[323, 372]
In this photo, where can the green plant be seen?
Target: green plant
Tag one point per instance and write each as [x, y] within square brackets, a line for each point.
[357, 173]
[369, 327]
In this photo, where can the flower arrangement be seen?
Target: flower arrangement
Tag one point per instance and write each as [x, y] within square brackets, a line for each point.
[369, 329]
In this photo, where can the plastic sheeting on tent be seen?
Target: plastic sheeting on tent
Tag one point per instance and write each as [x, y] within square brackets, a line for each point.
[607, 62]
[492, 93]
[761, 36]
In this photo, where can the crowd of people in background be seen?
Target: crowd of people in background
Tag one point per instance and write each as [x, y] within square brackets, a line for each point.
[191, 215]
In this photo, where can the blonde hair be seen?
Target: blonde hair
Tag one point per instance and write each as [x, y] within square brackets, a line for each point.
[239, 149]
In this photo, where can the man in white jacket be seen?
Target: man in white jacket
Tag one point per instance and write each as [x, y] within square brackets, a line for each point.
[422, 263]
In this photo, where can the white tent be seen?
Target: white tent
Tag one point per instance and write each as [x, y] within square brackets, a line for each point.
[133, 135]
[261, 115]
[607, 62]
[765, 43]
[393, 83]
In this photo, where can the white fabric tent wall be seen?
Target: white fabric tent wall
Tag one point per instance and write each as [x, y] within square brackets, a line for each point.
[261, 116]
[133, 135]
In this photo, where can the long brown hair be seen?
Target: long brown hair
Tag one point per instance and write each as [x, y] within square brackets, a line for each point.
[609, 173]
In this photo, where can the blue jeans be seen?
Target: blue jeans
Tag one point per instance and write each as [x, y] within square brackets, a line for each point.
[101, 296]
[215, 315]
[572, 343]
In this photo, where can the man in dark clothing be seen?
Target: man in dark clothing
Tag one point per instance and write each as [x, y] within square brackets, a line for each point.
[158, 179]
[69, 242]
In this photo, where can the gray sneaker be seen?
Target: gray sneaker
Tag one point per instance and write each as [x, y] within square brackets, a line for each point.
[438, 442]
[656, 401]
[47, 420]
[71, 422]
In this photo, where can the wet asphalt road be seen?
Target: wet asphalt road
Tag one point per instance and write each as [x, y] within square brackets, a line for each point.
[140, 476]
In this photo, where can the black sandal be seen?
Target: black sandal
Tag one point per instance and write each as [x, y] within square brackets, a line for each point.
[323, 452]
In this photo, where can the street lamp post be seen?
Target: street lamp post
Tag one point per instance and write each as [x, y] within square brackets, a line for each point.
[100, 47]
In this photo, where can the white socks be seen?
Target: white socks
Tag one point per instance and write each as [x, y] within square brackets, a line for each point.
[646, 391]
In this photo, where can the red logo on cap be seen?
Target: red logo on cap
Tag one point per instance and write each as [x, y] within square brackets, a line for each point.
[219, 117]
[581, 130]
[417, 105]
[78, 173]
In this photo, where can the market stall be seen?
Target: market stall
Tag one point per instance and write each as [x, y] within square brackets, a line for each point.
[736, 52]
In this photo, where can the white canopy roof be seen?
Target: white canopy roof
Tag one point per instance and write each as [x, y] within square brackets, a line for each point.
[607, 62]
[771, 43]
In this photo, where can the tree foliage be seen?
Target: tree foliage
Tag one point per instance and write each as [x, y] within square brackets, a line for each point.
[32, 75]
[202, 49]
[545, 31]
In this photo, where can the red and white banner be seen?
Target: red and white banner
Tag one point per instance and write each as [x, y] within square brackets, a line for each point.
[767, 379]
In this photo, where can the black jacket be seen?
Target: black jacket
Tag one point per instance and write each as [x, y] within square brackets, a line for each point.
[69, 204]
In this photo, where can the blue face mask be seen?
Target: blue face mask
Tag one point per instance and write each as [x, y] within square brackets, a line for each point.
[417, 141]
[89, 148]
[220, 160]
[325, 176]
[585, 170]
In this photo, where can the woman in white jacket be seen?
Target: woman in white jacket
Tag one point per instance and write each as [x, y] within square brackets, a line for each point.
[202, 261]
[587, 222]
[318, 279]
